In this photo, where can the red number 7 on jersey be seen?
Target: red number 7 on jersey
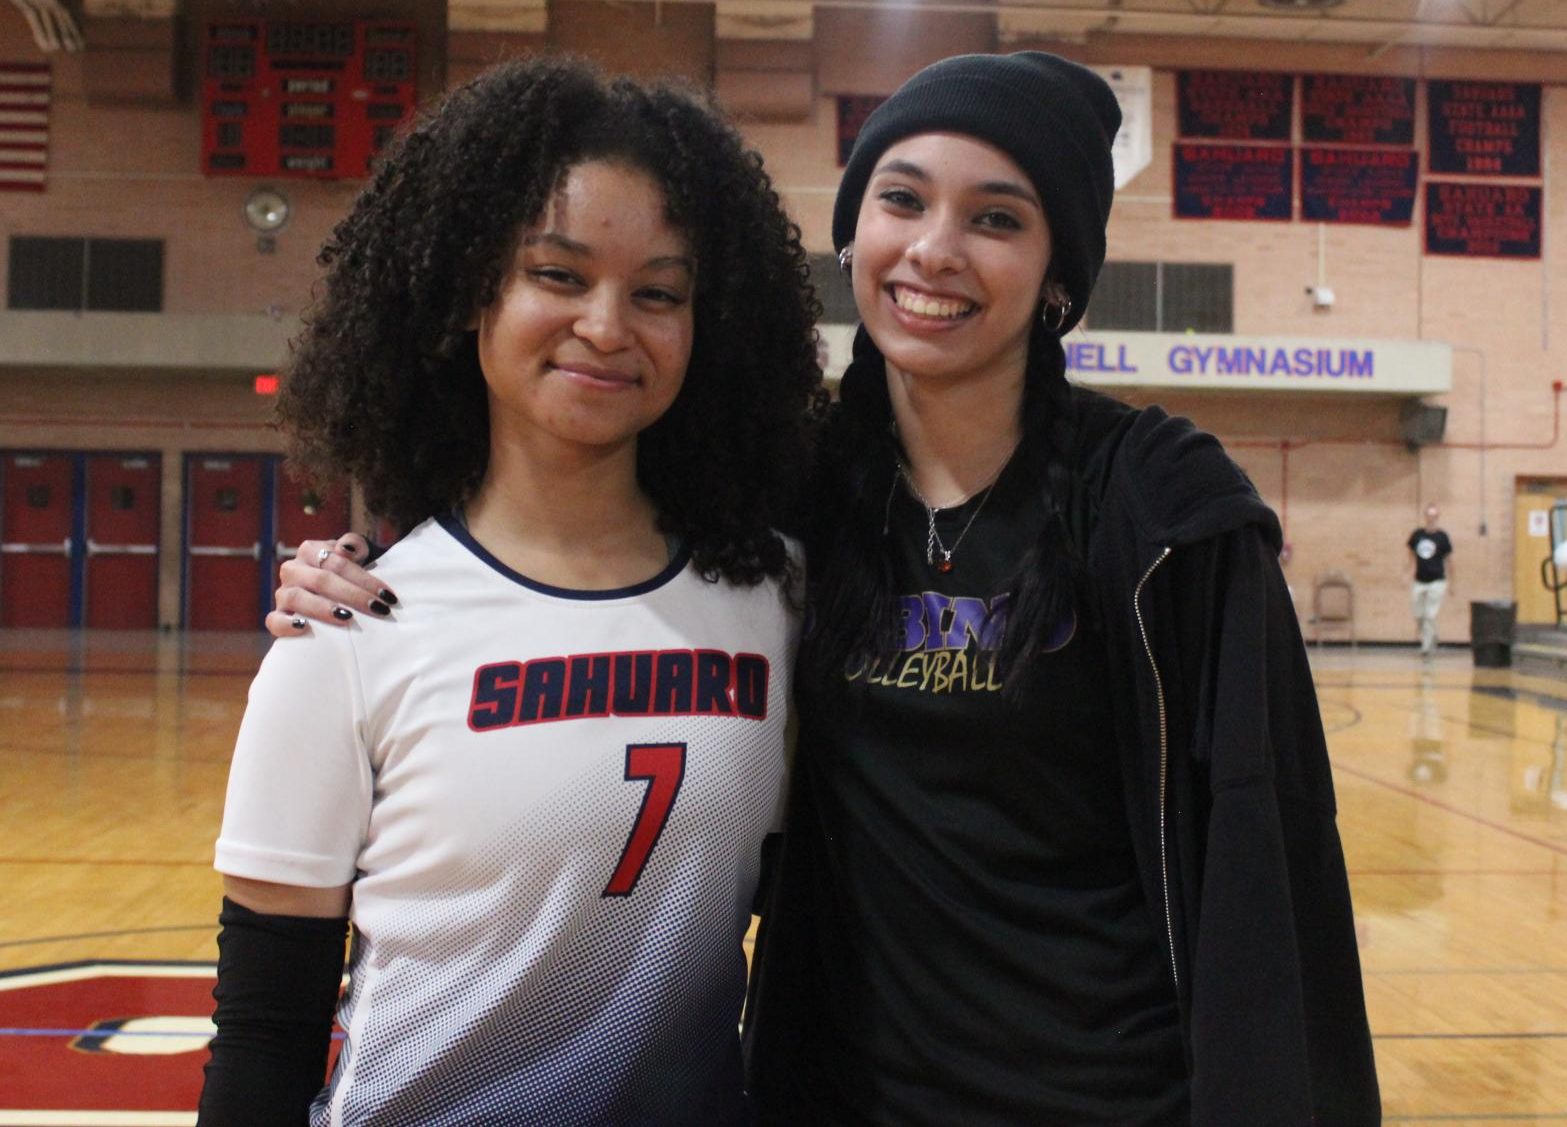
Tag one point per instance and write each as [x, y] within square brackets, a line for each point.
[664, 768]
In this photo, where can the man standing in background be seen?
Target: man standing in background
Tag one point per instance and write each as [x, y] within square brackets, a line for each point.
[1429, 549]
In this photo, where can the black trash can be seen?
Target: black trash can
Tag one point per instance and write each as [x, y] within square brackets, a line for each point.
[1491, 625]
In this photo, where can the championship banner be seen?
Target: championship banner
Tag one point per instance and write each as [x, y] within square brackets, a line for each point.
[1358, 185]
[853, 109]
[1193, 361]
[1236, 105]
[1357, 109]
[1483, 220]
[1484, 128]
[1233, 182]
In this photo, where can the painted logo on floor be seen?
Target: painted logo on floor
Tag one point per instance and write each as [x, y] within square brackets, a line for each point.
[103, 1044]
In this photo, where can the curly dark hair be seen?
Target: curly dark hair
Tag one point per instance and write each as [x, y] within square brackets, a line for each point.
[384, 382]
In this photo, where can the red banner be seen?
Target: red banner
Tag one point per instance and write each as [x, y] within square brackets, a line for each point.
[1482, 220]
[1357, 109]
[1484, 128]
[1233, 182]
[1236, 105]
[1358, 185]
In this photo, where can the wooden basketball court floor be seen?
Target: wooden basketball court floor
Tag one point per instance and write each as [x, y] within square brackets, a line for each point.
[1452, 786]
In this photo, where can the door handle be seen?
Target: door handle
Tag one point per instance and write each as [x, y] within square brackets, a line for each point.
[283, 552]
[254, 551]
[63, 548]
[1546, 566]
[96, 549]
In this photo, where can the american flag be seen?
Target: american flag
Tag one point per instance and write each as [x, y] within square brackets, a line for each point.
[24, 126]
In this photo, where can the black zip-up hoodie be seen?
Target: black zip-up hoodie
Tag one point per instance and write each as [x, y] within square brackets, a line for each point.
[1228, 788]
[1228, 785]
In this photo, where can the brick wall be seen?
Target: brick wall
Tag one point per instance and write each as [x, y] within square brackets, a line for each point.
[1349, 489]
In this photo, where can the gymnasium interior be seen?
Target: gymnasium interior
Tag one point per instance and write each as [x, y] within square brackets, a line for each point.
[1333, 245]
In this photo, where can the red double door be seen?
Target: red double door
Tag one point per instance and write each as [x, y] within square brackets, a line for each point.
[244, 515]
[79, 539]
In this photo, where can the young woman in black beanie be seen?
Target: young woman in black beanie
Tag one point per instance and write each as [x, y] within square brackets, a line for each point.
[1061, 847]
[1061, 843]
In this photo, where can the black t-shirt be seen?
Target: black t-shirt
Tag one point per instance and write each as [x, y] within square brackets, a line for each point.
[1431, 551]
[987, 954]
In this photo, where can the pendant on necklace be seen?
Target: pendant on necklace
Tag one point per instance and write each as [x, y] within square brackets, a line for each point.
[946, 563]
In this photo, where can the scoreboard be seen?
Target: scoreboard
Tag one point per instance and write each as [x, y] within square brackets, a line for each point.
[281, 99]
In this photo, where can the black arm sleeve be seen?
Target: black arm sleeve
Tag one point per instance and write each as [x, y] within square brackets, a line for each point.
[278, 980]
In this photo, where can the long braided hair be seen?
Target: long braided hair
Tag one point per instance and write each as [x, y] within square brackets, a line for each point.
[853, 604]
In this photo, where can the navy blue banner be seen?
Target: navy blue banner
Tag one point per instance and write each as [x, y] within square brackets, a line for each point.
[1484, 128]
[1236, 105]
[853, 109]
[1482, 220]
[1233, 182]
[1358, 185]
[1357, 109]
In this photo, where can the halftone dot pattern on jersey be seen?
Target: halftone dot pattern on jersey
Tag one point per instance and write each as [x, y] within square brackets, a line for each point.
[564, 1028]
[492, 980]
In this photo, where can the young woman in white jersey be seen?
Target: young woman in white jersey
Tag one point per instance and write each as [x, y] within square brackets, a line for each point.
[1060, 846]
[565, 338]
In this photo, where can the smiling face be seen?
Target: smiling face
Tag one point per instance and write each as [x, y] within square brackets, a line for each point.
[950, 253]
[587, 341]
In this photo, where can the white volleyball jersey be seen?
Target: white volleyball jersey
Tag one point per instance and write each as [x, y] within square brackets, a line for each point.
[551, 804]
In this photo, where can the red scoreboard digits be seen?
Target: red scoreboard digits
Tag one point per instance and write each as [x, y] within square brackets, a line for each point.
[302, 99]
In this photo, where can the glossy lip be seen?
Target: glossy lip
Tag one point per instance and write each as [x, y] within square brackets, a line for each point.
[590, 375]
[918, 323]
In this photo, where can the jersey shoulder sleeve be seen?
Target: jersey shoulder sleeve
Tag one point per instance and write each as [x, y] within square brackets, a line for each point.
[301, 781]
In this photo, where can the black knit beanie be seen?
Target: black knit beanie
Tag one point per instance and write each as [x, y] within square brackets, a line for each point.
[1056, 119]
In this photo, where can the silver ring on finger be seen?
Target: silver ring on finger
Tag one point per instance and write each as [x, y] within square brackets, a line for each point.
[322, 556]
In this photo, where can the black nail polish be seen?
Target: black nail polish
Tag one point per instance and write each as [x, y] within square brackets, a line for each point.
[387, 597]
[342, 614]
[347, 549]
[379, 607]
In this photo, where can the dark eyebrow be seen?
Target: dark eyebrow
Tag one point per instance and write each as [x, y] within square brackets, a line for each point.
[904, 168]
[1009, 188]
[571, 246]
[679, 261]
[582, 250]
[990, 187]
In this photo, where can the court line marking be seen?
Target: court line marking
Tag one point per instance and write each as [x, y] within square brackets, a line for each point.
[1478, 1117]
[36, 940]
[207, 864]
[88, 671]
[1462, 972]
[1456, 872]
[1489, 823]
[10, 1118]
[103, 1034]
[1471, 725]
[1468, 1036]
[24, 978]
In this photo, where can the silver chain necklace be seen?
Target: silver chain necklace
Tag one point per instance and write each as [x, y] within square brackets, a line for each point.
[933, 542]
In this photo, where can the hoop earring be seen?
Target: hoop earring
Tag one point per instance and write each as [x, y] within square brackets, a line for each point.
[846, 258]
[1061, 313]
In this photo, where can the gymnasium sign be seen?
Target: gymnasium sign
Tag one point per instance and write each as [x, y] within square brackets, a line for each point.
[1193, 361]
[1358, 185]
[1482, 220]
[1357, 109]
[1484, 128]
[1235, 105]
[1233, 181]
